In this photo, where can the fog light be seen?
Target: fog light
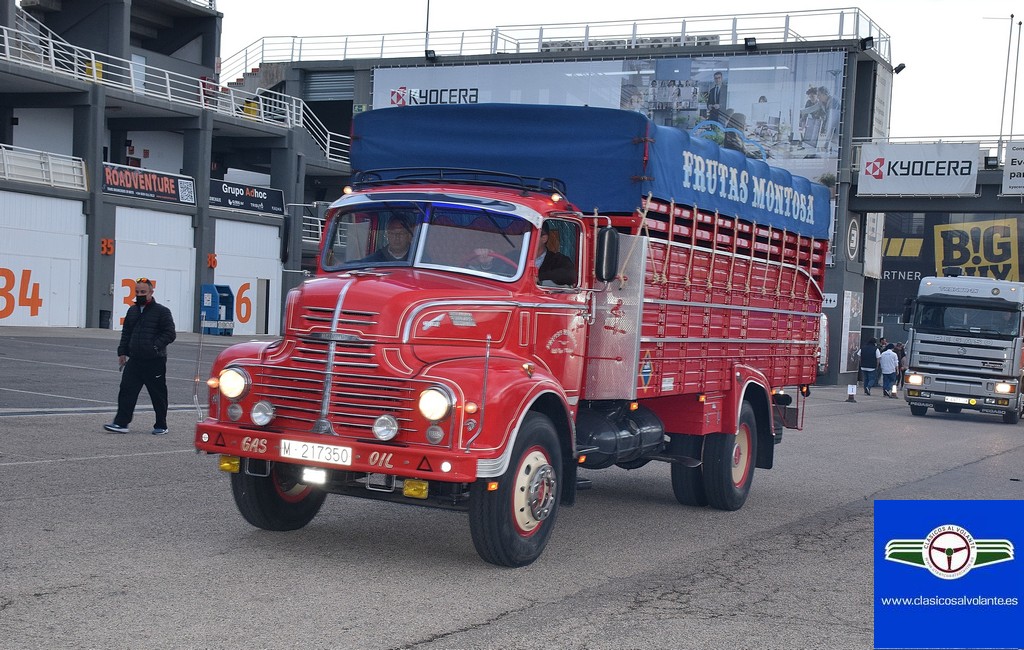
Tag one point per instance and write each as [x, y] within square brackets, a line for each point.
[229, 464]
[235, 411]
[1004, 388]
[415, 489]
[262, 413]
[385, 427]
[314, 476]
[435, 434]
[446, 467]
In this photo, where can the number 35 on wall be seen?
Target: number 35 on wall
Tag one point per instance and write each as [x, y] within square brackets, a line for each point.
[14, 294]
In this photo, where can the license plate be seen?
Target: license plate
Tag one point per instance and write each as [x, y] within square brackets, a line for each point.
[315, 452]
[957, 400]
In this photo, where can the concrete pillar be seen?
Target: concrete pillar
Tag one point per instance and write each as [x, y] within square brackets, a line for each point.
[197, 152]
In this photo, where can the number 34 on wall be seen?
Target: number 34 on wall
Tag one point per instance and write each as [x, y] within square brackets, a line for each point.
[18, 294]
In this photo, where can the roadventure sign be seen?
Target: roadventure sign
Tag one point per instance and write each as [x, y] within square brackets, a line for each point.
[933, 169]
[148, 184]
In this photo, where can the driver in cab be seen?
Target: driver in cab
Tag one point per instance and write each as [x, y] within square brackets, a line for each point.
[399, 237]
[553, 268]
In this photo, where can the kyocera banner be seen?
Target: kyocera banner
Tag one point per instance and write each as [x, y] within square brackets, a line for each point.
[936, 169]
[1013, 169]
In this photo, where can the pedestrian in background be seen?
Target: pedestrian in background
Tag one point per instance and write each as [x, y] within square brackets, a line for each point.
[901, 352]
[142, 357]
[888, 364]
[869, 355]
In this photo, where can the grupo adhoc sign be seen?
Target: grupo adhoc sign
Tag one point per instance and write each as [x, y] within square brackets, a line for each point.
[933, 169]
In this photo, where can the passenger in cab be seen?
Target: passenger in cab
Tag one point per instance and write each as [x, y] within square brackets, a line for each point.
[553, 268]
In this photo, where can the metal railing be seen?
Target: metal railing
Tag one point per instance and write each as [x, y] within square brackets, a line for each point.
[312, 227]
[42, 168]
[268, 107]
[789, 27]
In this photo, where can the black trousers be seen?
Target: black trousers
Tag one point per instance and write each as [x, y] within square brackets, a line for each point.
[151, 373]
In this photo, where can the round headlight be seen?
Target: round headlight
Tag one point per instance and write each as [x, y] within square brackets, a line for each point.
[262, 413]
[385, 427]
[434, 404]
[233, 382]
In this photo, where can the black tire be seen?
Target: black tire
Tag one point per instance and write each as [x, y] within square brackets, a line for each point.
[511, 525]
[918, 410]
[954, 409]
[278, 501]
[1012, 417]
[729, 463]
[687, 482]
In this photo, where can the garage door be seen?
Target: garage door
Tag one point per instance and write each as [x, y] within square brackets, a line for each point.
[156, 245]
[42, 261]
[249, 261]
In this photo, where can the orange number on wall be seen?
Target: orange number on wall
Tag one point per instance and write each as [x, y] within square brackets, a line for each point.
[28, 295]
[243, 308]
[129, 285]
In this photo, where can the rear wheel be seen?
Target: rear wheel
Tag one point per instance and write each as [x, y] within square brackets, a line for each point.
[511, 525]
[279, 501]
[918, 410]
[729, 462]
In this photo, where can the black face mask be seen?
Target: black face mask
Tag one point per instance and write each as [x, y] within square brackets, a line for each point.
[141, 300]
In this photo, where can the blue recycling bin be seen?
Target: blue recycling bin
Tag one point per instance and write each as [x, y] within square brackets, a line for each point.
[217, 310]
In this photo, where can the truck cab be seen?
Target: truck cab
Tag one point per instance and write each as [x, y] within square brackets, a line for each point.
[965, 347]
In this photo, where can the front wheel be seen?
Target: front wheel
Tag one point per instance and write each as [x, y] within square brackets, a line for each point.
[918, 410]
[511, 525]
[1012, 417]
[278, 501]
[729, 463]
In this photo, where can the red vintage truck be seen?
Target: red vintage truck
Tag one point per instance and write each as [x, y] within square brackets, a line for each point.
[508, 293]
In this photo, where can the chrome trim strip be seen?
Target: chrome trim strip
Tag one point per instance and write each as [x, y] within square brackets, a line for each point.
[679, 339]
[322, 424]
[715, 305]
[411, 318]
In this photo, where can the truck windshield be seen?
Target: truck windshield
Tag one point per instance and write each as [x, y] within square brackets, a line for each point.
[960, 320]
[427, 235]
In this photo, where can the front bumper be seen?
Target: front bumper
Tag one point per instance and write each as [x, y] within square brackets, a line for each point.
[995, 404]
[430, 464]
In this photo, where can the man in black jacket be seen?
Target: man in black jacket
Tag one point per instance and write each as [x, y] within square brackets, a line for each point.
[142, 355]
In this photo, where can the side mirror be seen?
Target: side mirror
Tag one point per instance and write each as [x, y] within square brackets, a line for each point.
[606, 266]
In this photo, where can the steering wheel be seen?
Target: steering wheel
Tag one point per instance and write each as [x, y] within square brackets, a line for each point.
[478, 259]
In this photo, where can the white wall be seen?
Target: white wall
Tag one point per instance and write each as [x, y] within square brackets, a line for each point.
[166, 150]
[45, 129]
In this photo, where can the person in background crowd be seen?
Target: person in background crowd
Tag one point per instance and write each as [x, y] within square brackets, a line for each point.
[142, 356]
[869, 355]
[901, 352]
[888, 364]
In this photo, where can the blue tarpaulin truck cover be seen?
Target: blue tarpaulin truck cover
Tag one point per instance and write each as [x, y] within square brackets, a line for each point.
[609, 159]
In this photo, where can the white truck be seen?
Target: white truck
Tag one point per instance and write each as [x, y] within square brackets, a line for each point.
[965, 346]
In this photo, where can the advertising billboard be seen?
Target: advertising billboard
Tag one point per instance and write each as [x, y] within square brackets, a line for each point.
[917, 245]
[930, 169]
[782, 108]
